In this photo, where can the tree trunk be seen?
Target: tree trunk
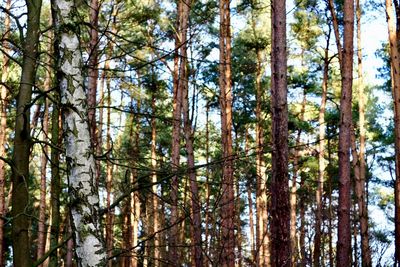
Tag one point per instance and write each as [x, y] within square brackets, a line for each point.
[321, 158]
[93, 71]
[155, 205]
[395, 69]
[22, 142]
[3, 127]
[227, 203]
[173, 249]
[197, 257]
[84, 199]
[42, 228]
[360, 183]
[280, 208]
[344, 227]
[109, 174]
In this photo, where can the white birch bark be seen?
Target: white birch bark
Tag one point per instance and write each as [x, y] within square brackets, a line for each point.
[84, 199]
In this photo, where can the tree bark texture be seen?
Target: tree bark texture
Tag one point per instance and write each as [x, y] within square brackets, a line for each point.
[84, 199]
[22, 141]
[227, 203]
[343, 253]
[280, 208]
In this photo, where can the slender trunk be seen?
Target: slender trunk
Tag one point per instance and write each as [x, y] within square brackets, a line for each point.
[321, 158]
[227, 203]
[361, 184]
[293, 188]
[22, 143]
[344, 227]
[175, 153]
[302, 238]
[336, 30]
[93, 71]
[3, 128]
[55, 185]
[155, 204]
[395, 69]
[109, 175]
[83, 192]
[42, 228]
[70, 248]
[208, 188]
[280, 208]
[197, 257]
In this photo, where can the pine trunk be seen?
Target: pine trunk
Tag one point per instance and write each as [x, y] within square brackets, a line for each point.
[227, 203]
[22, 142]
[321, 159]
[280, 207]
[344, 228]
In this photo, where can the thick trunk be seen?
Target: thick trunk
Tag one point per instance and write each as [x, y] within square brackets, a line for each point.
[280, 208]
[227, 203]
[83, 192]
[395, 69]
[3, 127]
[321, 159]
[22, 142]
[344, 227]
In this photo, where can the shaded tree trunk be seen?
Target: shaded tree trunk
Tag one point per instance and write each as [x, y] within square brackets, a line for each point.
[344, 227]
[22, 142]
[280, 208]
[84, 199]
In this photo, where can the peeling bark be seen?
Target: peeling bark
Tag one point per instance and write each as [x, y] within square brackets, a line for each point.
[84, 199]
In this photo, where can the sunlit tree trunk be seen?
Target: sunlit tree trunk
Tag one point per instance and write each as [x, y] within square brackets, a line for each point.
[280, 208]
[83, 192]
[344, 227]
[321, 158]
[227, 203]
[22, 142]
[3, 126]
[395, 69]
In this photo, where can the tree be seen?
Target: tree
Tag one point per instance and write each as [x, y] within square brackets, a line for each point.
[84, 199]
[280, 208]
[22, 141]
[227, 246]
[344, 235]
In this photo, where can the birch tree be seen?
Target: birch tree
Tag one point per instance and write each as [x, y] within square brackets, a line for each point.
[84, 199]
